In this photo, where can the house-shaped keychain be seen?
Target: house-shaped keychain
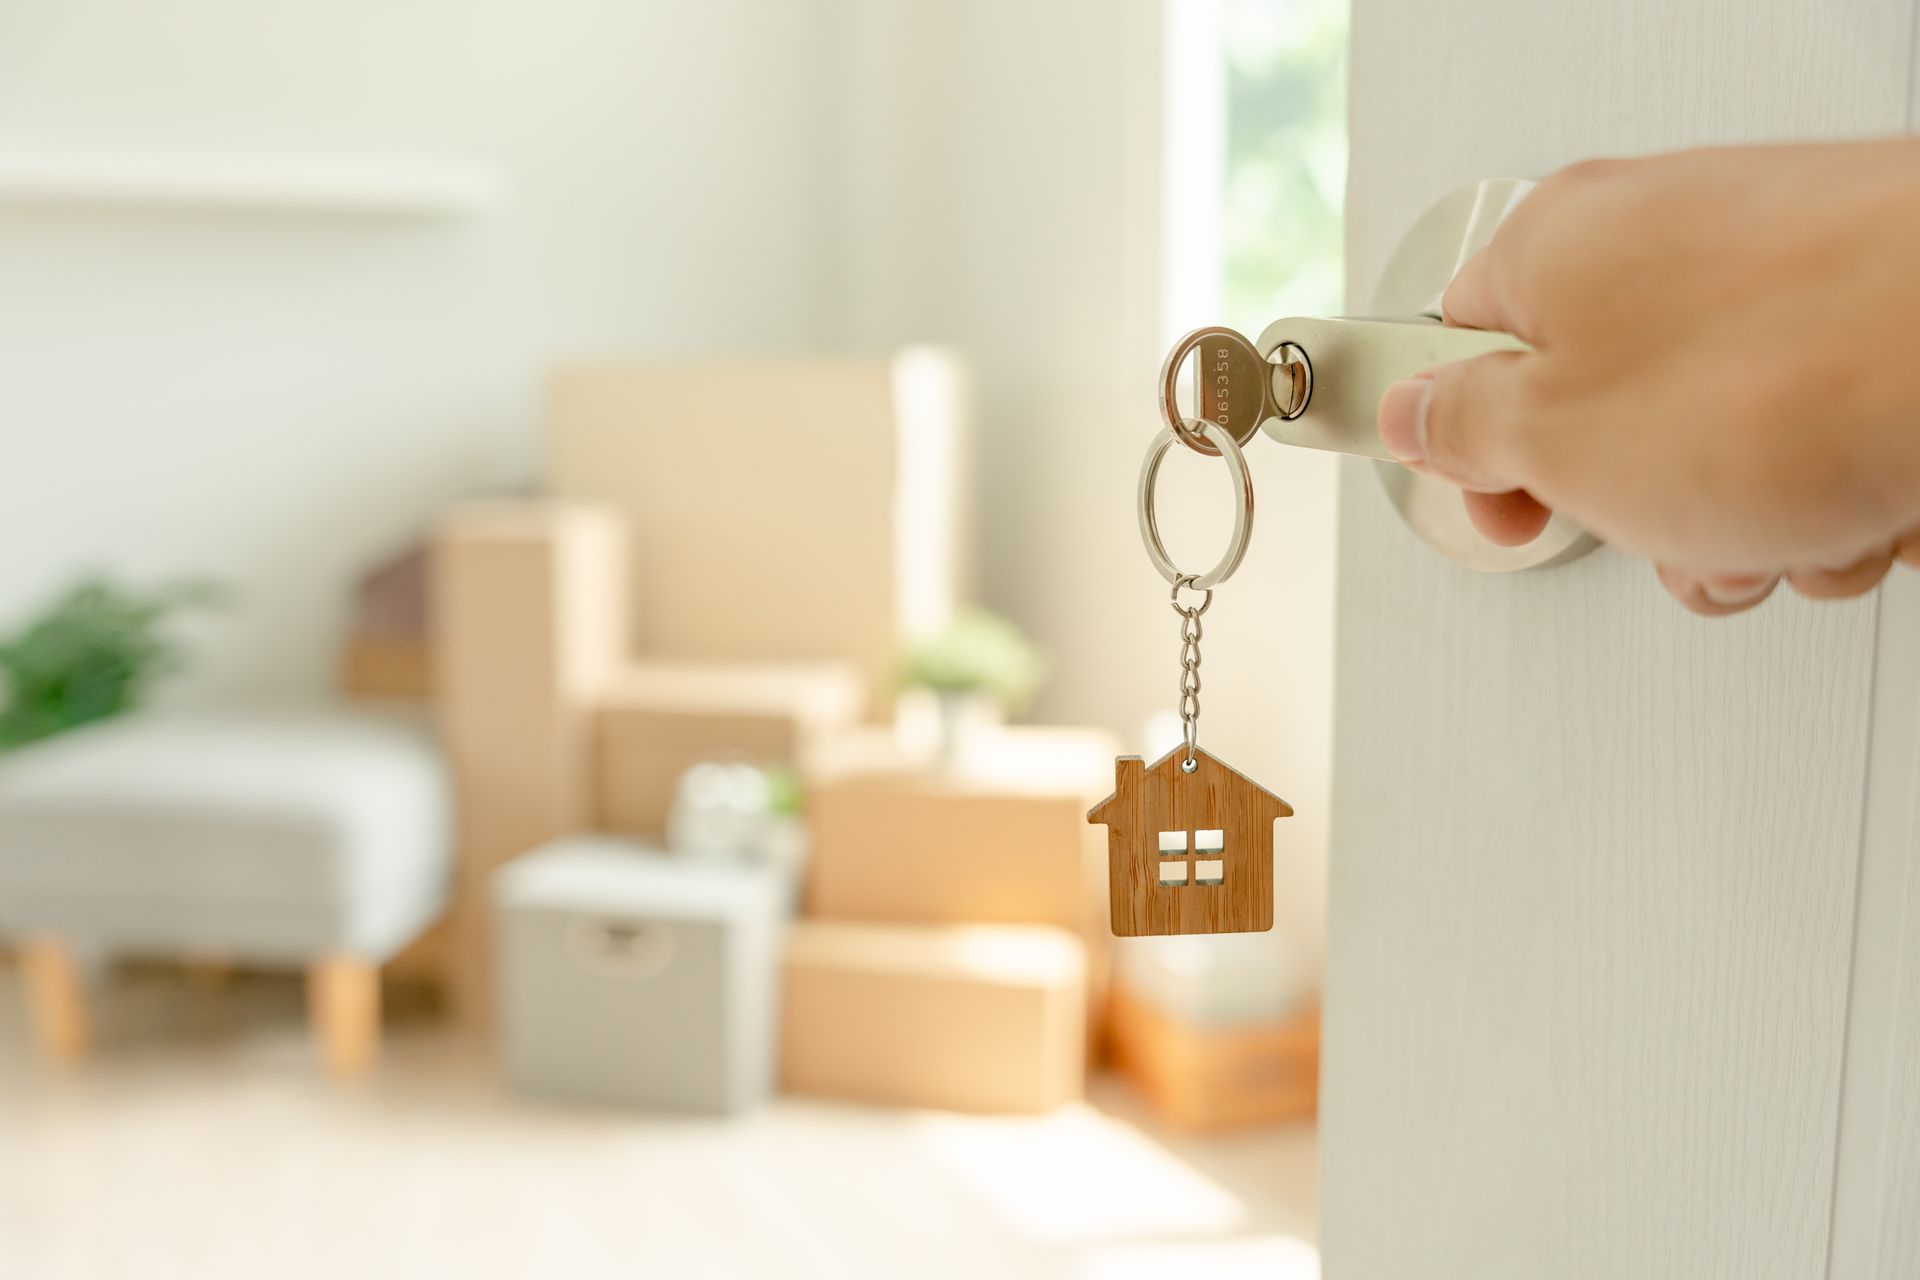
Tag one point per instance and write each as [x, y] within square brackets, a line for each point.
[1188, 852]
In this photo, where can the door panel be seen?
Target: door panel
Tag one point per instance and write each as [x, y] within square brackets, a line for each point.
[1876, 1191]
[1899, 1211]
[1594, 859]
[1879, 1206]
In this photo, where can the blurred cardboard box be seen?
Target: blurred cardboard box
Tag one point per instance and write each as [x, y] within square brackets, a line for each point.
[385, 667]
[387, 653]
[1001, 836]
[529, 622]
[960, 1017]
[781, 508]
[658, 719]
[1215, 1076]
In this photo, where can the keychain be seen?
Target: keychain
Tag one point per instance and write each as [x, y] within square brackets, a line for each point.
[1189, 839]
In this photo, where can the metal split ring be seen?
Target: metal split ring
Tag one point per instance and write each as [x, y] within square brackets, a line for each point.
[1206, 596]
[1229, 449]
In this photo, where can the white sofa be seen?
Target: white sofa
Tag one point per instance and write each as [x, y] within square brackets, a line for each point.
[316, 838]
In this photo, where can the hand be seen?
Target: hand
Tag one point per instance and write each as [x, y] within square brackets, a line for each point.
[1726, 374]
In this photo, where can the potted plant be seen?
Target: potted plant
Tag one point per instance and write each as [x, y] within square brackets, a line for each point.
[94, 653]
[979, 670]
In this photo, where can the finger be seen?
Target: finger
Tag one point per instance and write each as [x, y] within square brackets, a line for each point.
[1511, 519]
[1692, 591]
[1469, 300]
[1737, 590]
[1908, 552]
[1461, 421]
[1856, 579]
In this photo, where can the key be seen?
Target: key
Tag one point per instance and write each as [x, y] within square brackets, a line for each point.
[1310, 381]
[1234, 385]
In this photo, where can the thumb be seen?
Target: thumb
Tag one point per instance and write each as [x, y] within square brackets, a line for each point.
[1459, 421]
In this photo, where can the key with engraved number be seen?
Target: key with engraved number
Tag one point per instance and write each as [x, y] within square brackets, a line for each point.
[1310, 381]
[1234, 387]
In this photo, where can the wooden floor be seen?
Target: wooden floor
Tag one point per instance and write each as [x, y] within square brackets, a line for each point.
[202, 1140]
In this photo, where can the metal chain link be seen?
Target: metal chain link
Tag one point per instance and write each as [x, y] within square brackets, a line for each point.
[1190, 665]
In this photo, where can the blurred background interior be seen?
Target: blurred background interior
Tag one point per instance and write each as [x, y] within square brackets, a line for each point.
[570, 578]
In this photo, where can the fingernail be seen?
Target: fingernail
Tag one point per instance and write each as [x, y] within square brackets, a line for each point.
[1736, 590]
[1681, 586]
[1403, 419]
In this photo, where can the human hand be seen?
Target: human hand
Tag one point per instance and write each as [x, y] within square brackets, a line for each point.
[1724, 376]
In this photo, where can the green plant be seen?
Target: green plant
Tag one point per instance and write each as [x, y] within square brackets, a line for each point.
[783, 791]
[95, 653]
[980, 652]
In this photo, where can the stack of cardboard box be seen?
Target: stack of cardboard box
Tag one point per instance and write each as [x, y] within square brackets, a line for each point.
[953, 950]
[725, 567]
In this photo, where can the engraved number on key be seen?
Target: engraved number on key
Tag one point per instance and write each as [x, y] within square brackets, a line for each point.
[1233, 385]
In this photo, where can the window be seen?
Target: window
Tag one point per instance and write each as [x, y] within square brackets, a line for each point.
[1176, 867]
[1286, 158]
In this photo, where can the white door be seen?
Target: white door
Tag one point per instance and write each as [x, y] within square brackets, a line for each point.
[1624, 977]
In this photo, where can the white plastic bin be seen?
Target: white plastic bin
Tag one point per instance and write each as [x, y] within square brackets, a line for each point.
[628, 975]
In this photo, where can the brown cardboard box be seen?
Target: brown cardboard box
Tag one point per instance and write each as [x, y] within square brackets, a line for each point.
[1210, 1077]
[959, 1017]
[387, 653]
[529, 620]
[1000, 838]
[658, 719]
[781, 509]
[376, 666]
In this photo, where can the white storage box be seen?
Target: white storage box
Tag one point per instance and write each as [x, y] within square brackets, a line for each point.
[628, 975]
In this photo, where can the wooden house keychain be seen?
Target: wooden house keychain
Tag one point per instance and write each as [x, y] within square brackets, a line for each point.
[1189, 839]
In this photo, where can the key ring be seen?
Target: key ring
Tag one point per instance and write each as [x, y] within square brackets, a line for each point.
[1229, 448]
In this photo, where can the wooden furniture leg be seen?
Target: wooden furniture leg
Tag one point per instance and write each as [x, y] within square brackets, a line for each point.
[56, 998]
[343, 1002]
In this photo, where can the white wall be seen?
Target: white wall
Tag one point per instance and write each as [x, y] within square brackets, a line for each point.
[278, 400]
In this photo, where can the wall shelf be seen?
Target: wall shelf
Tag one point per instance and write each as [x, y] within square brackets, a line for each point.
[385, 187]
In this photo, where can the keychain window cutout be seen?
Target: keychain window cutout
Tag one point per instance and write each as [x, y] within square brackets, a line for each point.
[1205, 871]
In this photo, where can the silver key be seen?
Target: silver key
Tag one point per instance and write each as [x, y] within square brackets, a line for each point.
[1234, 386]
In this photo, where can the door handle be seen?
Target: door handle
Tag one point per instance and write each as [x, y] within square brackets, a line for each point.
[1315, 382]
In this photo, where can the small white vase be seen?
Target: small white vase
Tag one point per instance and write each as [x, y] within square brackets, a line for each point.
[964, 717]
